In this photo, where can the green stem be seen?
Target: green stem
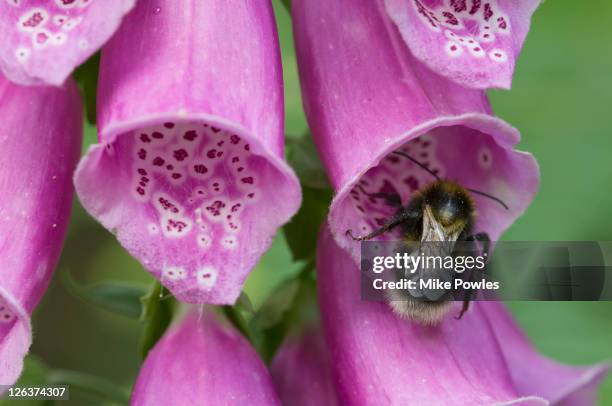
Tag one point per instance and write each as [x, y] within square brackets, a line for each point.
[236, 318]
[287, 4]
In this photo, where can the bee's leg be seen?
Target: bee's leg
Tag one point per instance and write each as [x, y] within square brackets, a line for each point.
[402, 216]
[465, 306]
[485, 240]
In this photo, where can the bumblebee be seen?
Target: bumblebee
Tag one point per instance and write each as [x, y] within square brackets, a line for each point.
[441, 213]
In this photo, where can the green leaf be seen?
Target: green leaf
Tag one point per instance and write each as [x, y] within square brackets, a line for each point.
[86, 76]
[116, 297]
[273, 309]
[303, 229]
[90, 385]
[304, 159]
[157, 312]
[244, 303]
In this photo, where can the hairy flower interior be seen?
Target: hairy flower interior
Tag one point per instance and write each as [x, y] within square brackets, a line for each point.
[194, 184]
[397, 175]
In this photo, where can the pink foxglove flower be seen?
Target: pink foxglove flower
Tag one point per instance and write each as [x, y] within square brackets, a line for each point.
[472, 42]
[378, 358]
[40, 144]
[301, 371]
[366, 96]
[203, 362]
[189, 172]
[44, 40]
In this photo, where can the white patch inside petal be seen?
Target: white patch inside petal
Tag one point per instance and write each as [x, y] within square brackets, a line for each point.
[229, 242]
[22, 54]
[174, 273]
[41, 38]
[498, 55]
[476, 50]
[485, 158]
[207, 277]
[453, 49]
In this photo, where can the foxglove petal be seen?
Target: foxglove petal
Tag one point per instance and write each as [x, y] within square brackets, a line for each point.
[365, 97]
[533, 373]
[380, 358]
[44, 40]
[203, 362]
[189, 172]
[301, 371]
[40, 141]
[472, 42]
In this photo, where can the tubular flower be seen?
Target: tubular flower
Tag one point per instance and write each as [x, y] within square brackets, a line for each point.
[366, 97]
[44, 40]
[189, 171]
[203, 362]
[379, 358]
[40, 141]
[301, 371]
[472, 42]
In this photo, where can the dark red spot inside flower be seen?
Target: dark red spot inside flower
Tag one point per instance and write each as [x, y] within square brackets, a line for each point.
[180, 154]
[34, 20]
[157, 135]
[170, 167]
[236, 207]
[453, 47]
[190, 135]
[450, 18]
[220, 153]
[144, 138]
[158, 161]
[166, 205]
[240, 169]
[412, 183]
[177, 225]
[234, 139]
[176, 176]
[220, 143]
[235, 159]
[169, 125]
[212, 153]
[475, 6]
[458, 5]
[216, 207]
[247, 147]
[142, 154]
[360, 208]
[251, 195]
[140, 191]
[502, 23]
[477, 49]
[488, 12]
[201, 169]
[142, 171]
[215, 129]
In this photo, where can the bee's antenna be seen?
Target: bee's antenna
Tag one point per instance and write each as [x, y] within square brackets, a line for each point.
[498, 200]
[418, 163]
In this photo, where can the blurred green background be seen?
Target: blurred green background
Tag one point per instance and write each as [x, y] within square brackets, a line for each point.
[561, 102]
